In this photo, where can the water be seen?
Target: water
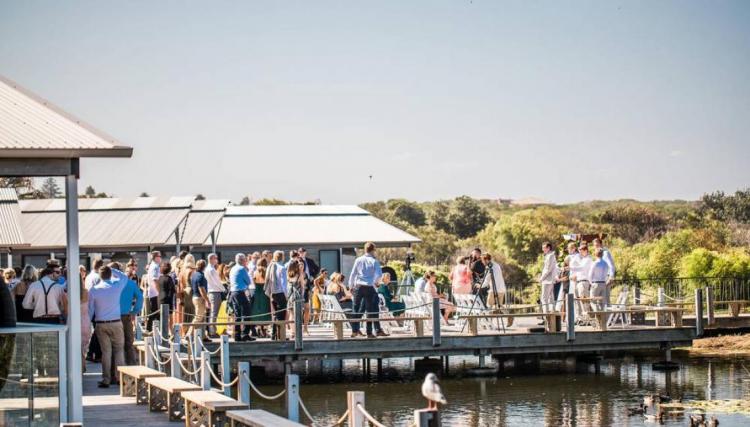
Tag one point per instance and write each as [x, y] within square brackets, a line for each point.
[583, 398]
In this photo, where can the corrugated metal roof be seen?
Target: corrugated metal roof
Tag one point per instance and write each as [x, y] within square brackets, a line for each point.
[252, 210]
[210, 205]
[199, 227]
[103, 204]
[97, 228]
[313, 229]
[10, 219]
[32, 127]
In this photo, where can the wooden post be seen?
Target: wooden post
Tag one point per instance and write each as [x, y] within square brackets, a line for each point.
[298, 325]
[710, 305]
[226, 369]
[243, 385]
[156, 333]
[660, 298]
[148, 344]
[174, 353]
[436, 322]
[356, 418]
[205, 366]
[699, 312]
[292, 397]
[176, 337]
[570, 317]
[197, 343]
[138, 329]
[426, 418]
[164, 319]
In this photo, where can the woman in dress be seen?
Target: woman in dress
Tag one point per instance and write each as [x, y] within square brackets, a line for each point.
[394, 305]
[446, 307]
[260, 310]
[28, 277]
[297, 282]
[342, 294]
[460, 276]
[318, 289]
[167, 289]
[184, 290]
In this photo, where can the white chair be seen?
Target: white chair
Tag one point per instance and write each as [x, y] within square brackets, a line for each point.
[621, 304]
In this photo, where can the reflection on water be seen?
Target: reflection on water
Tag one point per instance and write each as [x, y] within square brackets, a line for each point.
[547, 399]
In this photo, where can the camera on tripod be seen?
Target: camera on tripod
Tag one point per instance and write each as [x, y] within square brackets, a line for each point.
[410, 258]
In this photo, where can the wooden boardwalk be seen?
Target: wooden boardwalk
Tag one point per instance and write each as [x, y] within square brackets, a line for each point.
[104, 407]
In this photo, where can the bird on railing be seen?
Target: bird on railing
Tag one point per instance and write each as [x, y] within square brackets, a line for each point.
[432, 392]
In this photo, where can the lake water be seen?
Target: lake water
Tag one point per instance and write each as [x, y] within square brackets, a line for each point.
[550, 398]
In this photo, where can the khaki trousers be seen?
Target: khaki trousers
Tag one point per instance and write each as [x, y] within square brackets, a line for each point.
[200, 314]
[548, 297]
[112, 340]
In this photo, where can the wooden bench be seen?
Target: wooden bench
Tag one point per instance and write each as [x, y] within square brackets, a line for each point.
[674, 313]
[207, 408]
[550, 320]
[133, 381]
[338, 324]
[735, 306]
[164, 395]
[258, 418]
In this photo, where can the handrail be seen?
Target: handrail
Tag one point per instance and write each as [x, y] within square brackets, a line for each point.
[367, 415]
[255, 389]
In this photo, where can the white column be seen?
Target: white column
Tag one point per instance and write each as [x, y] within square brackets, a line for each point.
[73, 350]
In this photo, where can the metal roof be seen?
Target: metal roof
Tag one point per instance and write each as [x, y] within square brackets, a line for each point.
[310, 225]
[10, 219]
[106, 222]
[290, 210]
[204, 217]
[32, 127]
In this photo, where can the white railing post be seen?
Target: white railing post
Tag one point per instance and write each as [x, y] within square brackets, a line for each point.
[426, 418]
[570, 317]
[243, 391]
[356, 418]
[138, 329]
[156, 333]
[205, 374]
[710, 306]
[196, 344]
[436, 322]
[660, 298]
[699, 312]
[176, 335]
[292, 397]
[164, 319]
[148, 347]
[226, 369]
[174, 364]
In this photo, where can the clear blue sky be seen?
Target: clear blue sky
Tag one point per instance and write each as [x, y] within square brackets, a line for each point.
[300, 100]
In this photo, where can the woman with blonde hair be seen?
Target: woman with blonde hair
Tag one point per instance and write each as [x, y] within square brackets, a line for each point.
[28, 276]
[260, 307]
[318, 289]
[298, 290]
[184, 291]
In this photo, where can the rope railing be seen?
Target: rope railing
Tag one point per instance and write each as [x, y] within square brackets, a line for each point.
[157, 358]
[203, 346]
[369, 417]
[259, 393]
[188, 371]
[342, 419]
[219, 381]
[304, 409]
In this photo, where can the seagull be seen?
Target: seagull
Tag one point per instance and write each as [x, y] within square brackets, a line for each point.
[431, 390]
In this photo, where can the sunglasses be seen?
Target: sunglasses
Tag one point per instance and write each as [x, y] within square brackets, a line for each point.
[56, 272]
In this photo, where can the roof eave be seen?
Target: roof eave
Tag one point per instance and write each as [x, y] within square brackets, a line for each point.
[51, 153]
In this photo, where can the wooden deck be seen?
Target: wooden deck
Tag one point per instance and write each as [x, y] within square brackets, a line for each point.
[104, 407]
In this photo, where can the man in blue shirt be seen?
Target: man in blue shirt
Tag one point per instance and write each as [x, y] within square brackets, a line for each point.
[199, 286]
[607, 257]
[239, 281]
[598, 275]
[104, 307]
[131, 303]
[362, 281]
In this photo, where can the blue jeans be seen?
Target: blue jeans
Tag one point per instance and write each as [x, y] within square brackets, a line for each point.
[365, 301]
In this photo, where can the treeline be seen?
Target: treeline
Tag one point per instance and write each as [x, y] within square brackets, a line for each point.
[705, 238]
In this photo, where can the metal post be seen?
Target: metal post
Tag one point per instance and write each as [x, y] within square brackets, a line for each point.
[10, 260]
[73, 338]
[174, 364]
[710, 305]
[699, 312]
[164, 319]
[138, 329]
[243, 391]
[213, 240]
[148, 345]
[226, 369]
[660, 298]
[156, 332]
[426, 418]
[177, 239]
[436, 322]
[205, 366]
[637, 294]
[297, 325]
[292, 397]
[356, 418]
[570, 317]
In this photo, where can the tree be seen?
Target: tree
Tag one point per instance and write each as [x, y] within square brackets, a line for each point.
[719, 206]
[437, 216]
[144, 194]
[50, 189]
[634, 223]
[200, 197]
[245, 201]
[467, 217]
[437, 246]
[407, 211]
[269, 202]
[89, 192]
[22, 185]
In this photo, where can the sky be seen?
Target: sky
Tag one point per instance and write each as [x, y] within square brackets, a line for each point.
[353, 101]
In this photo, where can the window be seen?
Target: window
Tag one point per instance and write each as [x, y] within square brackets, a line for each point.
[329, 259]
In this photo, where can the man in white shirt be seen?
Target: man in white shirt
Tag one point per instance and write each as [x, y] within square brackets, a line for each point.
[93, 277]
[548, 277]
[215, 292]
[419, 284]
[153, 274]
[579, 278]
[493, 282]
[46, 297]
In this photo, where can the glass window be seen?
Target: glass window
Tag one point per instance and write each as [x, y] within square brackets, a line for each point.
[329, 259]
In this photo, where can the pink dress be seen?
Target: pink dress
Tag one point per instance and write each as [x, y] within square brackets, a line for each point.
[461, 279]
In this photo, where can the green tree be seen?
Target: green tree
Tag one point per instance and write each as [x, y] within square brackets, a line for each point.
[144, 194]
[437, 216]
[245, 201]
[437, 246]
[634, 223]
[200, 197]
[269, 202]
[22, 185]
[406, 211]
[467, 217]
[89, 192]
[50, 188]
